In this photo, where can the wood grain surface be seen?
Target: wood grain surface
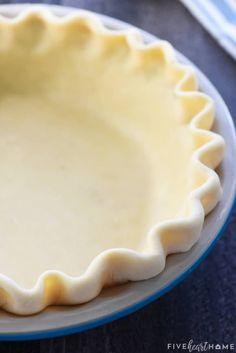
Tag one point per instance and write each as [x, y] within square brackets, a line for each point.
[203, 307]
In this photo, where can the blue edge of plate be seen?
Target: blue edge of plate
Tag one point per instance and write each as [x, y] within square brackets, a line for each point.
[75, 329]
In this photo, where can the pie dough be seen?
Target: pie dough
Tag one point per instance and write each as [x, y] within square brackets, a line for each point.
[107, 161]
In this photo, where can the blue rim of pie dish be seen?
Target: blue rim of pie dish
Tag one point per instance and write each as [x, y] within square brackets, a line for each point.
[63, 331]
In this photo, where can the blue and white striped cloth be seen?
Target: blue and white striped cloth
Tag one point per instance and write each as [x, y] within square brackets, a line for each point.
[219, 18]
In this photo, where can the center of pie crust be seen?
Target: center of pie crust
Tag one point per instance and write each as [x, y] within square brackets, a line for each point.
[70, 188]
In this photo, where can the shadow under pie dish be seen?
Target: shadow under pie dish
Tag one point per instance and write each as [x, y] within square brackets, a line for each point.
[107, 159]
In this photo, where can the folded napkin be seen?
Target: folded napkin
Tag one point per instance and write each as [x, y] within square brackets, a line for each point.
[219, 18]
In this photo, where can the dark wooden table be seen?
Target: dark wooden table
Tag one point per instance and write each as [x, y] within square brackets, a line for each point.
[203, 307]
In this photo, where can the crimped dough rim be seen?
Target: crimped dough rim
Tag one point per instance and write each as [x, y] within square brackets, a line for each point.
[120, 265]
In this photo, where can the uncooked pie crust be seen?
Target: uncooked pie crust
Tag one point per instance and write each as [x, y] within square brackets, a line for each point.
[107, 158]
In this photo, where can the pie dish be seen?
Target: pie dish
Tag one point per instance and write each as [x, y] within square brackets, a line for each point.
[107, 159]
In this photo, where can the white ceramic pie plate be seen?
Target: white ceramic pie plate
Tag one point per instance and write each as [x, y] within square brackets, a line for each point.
[121, 300]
